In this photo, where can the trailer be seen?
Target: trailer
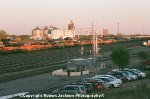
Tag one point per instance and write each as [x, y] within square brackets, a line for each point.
[146, 43]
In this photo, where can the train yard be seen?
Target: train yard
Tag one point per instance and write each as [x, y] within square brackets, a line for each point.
[20, 65]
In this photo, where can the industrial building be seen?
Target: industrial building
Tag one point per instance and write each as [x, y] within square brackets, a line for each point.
[61, 34]
[71, 26]
[75, 67]
[53, 32]
[105, 33]
[36, 33]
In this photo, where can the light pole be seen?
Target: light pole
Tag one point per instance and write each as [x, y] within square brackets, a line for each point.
[82, 49]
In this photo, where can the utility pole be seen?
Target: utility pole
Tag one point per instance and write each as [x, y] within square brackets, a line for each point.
[93, 48]
[118, 28]
[95, 45]
[93, 36]
[67, 56]
[82, 48]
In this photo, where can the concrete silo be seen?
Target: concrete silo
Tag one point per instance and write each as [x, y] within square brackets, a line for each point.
[37, 33]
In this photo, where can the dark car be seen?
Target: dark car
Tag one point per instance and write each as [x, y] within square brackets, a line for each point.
[88, 86]
[71, 90]
[97, 84]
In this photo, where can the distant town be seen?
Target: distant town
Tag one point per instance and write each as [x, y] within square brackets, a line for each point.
[46, 37]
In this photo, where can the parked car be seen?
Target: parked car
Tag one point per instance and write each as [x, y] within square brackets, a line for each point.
[129, 73]
[88, 86]
[140, 73]
[71, 89]
[111, 76]
[104, 83]
[127, 76]
[111, 82]
[98, 84]
[133, 72]
[119, 75]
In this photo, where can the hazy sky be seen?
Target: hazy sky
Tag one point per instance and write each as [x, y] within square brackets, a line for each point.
[21, 16]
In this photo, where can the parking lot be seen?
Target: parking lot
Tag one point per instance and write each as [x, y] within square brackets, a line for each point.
[135, 89]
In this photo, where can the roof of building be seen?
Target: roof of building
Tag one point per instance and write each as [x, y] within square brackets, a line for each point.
[37, 28]
[45, 28]
[79, 61]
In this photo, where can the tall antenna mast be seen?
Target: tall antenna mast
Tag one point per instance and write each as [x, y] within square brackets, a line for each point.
[95, 45]
[93, 36]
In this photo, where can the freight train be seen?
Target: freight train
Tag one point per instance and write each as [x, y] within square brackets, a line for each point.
[55, 44]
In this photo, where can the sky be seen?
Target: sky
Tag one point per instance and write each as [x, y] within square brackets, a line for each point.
[21, 16]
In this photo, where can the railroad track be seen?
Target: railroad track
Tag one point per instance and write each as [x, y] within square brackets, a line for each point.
[22, 65]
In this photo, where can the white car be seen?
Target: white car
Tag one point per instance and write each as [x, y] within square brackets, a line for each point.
[131, 75]
[140, 73]
[111, 76]
[111, 81]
